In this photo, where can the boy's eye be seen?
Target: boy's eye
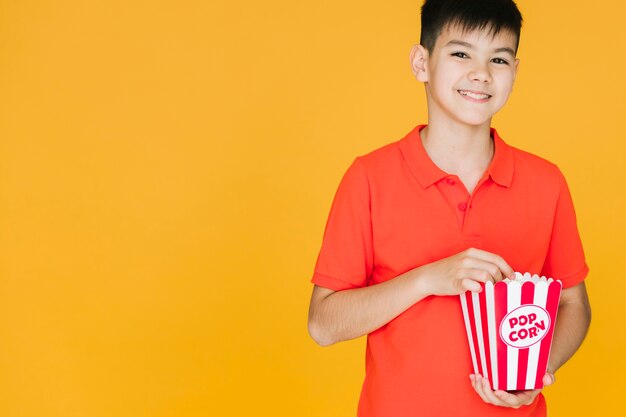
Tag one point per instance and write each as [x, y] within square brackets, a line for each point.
[460, 55]
[500, 61]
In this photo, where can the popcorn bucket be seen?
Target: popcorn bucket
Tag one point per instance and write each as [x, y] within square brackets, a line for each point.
[509, 328]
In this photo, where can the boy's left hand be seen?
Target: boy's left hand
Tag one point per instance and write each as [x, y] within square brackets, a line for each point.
[507, 399]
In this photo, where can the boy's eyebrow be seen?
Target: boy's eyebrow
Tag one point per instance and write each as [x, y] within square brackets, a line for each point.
[506, 49]
[455, 42]
[469, 45]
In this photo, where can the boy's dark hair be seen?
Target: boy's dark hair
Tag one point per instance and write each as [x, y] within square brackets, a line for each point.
[468, 15]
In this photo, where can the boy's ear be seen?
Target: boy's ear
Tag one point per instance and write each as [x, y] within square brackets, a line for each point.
[419, 58]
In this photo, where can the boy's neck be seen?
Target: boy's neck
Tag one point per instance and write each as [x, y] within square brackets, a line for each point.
[457, 148]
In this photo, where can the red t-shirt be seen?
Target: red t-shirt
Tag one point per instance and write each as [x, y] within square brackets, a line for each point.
[396, 210]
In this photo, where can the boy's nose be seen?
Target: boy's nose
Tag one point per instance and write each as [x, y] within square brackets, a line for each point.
[480, 74]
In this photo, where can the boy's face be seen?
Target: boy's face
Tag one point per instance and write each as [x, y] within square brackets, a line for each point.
[468, 75]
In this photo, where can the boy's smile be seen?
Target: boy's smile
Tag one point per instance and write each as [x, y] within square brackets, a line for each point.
[476, 96]
[468, 75]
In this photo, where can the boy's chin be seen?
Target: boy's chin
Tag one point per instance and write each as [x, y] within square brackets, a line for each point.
[476, 121]
[469, 117]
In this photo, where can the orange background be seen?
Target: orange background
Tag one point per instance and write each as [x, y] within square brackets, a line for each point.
[166, 169]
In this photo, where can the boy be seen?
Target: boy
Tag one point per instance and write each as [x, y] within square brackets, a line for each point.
[421, 220]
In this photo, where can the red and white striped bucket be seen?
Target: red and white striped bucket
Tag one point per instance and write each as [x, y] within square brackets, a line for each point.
[509, 328]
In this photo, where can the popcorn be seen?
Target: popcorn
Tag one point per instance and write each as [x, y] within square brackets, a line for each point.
[509, 328]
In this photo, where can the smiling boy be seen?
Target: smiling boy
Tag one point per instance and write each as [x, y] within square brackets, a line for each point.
[451, 205]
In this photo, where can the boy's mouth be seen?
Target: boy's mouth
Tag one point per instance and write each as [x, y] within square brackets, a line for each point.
[474, 95]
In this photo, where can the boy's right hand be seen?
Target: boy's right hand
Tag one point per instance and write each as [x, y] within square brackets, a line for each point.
[463, 272]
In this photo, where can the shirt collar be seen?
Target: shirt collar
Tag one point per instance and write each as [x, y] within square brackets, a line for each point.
[501, 168]
[427, 173]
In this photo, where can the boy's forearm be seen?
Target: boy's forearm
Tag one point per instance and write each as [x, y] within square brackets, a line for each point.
[344, 315]
[572, 322]
[348, 314]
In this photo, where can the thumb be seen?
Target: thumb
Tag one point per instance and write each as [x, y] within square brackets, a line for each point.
[548, 379]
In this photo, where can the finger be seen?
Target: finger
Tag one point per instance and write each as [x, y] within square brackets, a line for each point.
[486, 393]
[477, 384]
[490, 395]
[470, 285]
[519, 398]
[478, 275]
[504, 267]
[529, 396]
[507, 398]
[481, 270]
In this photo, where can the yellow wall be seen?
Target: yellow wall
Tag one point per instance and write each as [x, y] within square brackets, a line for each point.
[166, 168]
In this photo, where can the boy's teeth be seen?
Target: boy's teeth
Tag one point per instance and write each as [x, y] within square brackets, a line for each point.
[474, 95]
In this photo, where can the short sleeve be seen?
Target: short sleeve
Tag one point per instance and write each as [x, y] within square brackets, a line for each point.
[565, 259]
[345, 259]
